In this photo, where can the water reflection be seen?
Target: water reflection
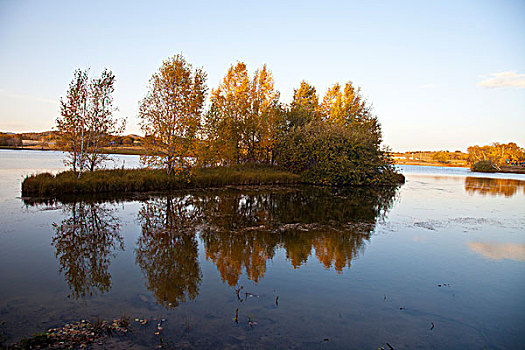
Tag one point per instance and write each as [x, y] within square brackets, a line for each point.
[499, 251]
[242, 230]
[85, 241]
[167, 249]
[493, 186]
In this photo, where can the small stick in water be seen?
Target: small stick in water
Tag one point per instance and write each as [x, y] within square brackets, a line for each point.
[277, 301]
[432, 325]
[390, 346]
[236, 318]
[237, 291]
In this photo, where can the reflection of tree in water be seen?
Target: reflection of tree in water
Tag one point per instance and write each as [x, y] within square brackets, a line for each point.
[493, 186]
[333, 246]
[85, 241]
[242, 230]
[235, 233]
[167, 249]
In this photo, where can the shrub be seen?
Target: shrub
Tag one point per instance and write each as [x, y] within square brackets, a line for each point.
[335, 155]
[483, 166]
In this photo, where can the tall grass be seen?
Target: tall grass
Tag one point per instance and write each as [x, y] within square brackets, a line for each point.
[145, 180]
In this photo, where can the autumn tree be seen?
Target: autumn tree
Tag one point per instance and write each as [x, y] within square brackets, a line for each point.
[86, 120]
[304, 107]
[337, 142]
[347, 107]
[71, 124]
[265, 120]
[225, 120]
[244, 119]
[170, 115]
[497, 153]
[100, 122]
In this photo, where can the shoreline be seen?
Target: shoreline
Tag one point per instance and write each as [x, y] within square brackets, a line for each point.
[420, 163]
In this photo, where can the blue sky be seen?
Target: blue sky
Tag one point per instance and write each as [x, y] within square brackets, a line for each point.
[440, 74]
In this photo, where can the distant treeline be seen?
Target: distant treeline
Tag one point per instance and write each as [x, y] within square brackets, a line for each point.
[48, 138]
[456, 158]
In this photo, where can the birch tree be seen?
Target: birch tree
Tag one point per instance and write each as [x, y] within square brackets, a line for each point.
[100, 122]
[86, 120]
[71, 124]
[245, 117]
[267, 117]
[170, 115]
[226, 119]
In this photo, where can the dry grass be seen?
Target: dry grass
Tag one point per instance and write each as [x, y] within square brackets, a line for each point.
[145, 180]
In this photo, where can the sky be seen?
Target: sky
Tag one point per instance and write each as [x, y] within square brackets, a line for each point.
[440, 75]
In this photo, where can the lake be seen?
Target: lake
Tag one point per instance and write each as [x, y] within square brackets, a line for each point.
[437, 263]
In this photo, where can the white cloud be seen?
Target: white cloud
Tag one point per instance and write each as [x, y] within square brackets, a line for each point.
[428, 86]
[504, 79]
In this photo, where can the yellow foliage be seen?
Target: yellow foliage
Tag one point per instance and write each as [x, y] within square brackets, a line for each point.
[170, 115]
[244, 118]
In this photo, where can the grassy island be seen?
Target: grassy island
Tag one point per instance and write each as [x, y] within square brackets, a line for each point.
[246, 136]
[147, 180]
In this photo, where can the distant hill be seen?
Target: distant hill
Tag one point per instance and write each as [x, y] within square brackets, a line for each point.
[46, 140]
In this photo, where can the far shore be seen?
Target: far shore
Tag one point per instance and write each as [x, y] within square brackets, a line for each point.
[423, 163]
[138, 151]
[107, 150]
[504, 170]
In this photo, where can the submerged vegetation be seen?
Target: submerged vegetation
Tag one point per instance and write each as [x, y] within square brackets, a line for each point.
[76, 335]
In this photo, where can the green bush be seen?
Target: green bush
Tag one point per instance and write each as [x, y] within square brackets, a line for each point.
[335, 155]
[483, 166]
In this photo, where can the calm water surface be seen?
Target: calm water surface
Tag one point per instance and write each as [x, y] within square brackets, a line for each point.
[313, 267]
